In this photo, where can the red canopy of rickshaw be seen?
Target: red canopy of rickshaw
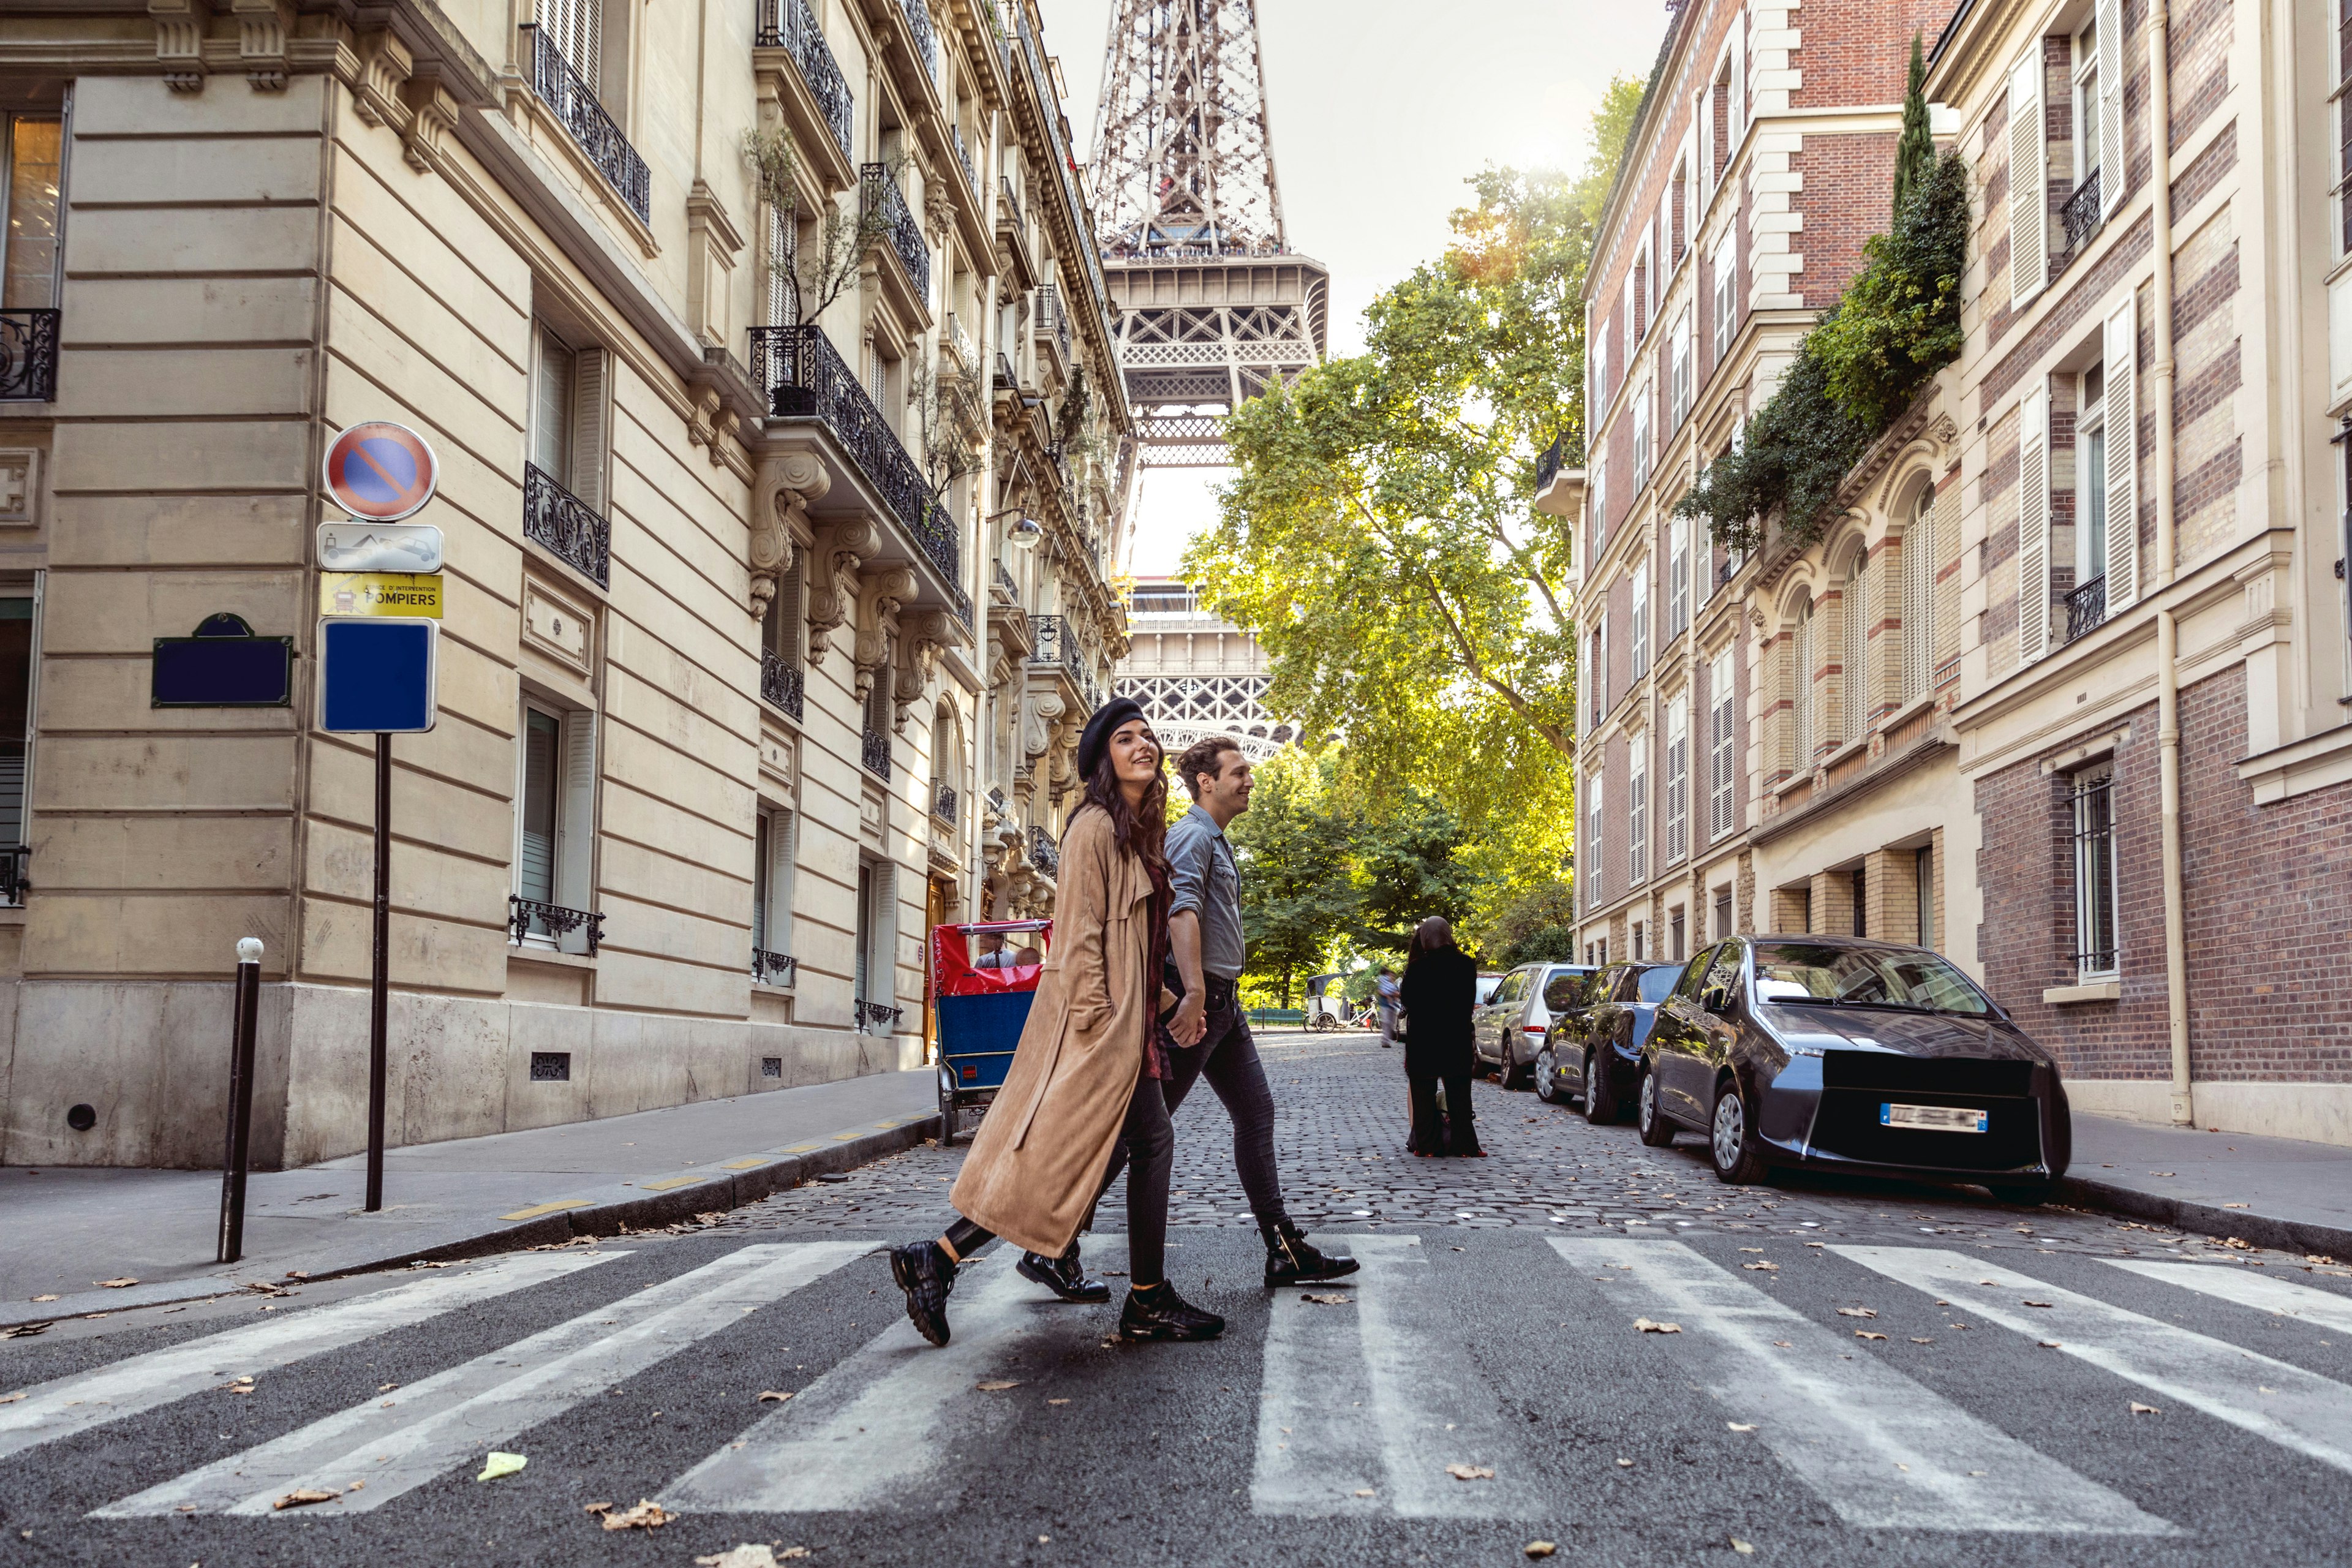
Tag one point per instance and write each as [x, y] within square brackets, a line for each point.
[986, 960]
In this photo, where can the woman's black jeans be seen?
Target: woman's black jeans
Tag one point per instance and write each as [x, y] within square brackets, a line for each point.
[1150, 1145]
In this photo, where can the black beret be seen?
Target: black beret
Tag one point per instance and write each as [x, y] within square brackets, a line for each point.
[1095, 743]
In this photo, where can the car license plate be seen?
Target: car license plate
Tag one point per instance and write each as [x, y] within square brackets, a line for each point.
[1940, 1118]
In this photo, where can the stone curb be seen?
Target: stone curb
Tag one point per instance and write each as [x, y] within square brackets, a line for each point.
[2284, 1235]
[725, 1190]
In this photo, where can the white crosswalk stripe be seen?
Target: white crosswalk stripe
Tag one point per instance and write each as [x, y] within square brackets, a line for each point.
[863, 1435]
[2297, 1409]
[69, 1405]
[1881, 1448]
[428, 1427]
[2248, 1288]
[1364, 1398]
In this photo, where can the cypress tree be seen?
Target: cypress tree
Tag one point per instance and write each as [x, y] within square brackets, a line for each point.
[1915, 154]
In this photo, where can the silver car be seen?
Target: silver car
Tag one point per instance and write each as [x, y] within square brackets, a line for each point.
[1507, 1030]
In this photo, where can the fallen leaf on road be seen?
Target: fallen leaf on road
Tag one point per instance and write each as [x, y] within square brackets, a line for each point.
[296, 1274]
[122, 1284]
[2159, 1173]
[386, 1387]
[355, 1486]
[11, 1398]
[1471, 1472]
[53, 1298]
[2037, 1303]
[1867, 1334]
[1917, 1341]
[1624, 1464]
[2238, 1242]
[1742, 1547]
[790, 1552]
[2139, 1409]
[750, 1555]
[1784, 1345]
[1366, 1491]
[495, 1465]
[770, 1396]
[1057, 1402]
[1328, 1301]
[1644, 1325]
[2233, 1205]
[2048, 1344]
[646, 1515]
[1751, 1249]
[1857, 1312]
[1741, 1426]
[1767, 1267]
[1539, 1549]
[997, 1386]
[304, 1497]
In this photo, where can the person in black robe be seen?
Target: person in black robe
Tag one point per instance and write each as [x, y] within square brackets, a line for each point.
[1440, 989]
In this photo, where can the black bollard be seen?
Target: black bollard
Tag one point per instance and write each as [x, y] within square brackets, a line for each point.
[240, 1103]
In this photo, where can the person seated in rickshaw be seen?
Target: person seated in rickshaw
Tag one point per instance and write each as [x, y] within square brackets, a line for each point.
[992, 954]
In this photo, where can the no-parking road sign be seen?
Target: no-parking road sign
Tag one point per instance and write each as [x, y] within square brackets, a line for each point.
[380, 471]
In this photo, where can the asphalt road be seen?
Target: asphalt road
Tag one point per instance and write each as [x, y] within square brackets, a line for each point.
[1494, 1328]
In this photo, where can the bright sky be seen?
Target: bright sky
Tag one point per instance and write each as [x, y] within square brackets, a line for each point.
[1380, 109]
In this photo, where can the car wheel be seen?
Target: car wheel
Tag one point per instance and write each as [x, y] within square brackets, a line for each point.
[2025, 1194]
[1731, 1140]
[1599, 1089]
[1546, 1073]
[1649, 1117]
[1510, 1074]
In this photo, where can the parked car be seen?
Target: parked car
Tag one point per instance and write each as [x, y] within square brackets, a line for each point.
[1845, 1054]
[1593, 1051]
[1508, 1030]
[1487, 980]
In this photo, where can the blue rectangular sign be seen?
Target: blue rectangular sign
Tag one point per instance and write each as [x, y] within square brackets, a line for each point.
[377, 676]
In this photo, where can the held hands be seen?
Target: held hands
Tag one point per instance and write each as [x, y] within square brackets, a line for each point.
[1189, 1021]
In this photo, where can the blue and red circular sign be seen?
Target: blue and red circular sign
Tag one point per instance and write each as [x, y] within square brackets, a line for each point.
[380, 471]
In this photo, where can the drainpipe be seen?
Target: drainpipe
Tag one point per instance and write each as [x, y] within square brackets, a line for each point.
[2167, 627]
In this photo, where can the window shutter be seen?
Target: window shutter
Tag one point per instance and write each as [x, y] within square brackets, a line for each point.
[783, 308]
[1739, 80]
[763, 827]
[1947, 595]
[2111, 105]
[2029, 181]
[1641, 619]
[591, 399]
[783, 832]
[1637, 815]
[575, 823]
[1918, 588]
[535, 850]
[2033, 526]
[2122, 372]
[882, 973]
[1854, 657]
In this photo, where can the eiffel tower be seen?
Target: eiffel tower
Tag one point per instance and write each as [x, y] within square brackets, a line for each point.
[1212, 303]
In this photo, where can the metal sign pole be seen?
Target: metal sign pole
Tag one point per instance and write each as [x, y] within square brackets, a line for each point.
[380, 979]
[238, 1151]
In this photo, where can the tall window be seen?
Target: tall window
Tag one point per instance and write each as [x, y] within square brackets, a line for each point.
[32, 198]
[1918, 596]
[1675, 933]
[1641, 435]
[1641, 649]
[578, 28]
[567, 437]
[2091, 481]
[2093, 800]
[1637, 815]
[1725, 303]
[1924, 880]
[1861, 898]
[1678, 564]
[1596, 677]
[1597, 399]
[771, 894]
[1596, 507]
[542, 745]
[2086, 100]
[1678, 392]
[1855, 655]
[16, 733]
[1723, 911]
[1678, 778]
[555, 821]
[1588, 854]
[2344, 124]
[1800, 692]
[1722, 792]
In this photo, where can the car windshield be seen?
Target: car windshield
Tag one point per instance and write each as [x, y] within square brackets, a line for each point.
[1658, 983]
[1916, 981]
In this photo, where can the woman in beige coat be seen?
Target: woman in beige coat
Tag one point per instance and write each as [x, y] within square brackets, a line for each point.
[1090, 1061]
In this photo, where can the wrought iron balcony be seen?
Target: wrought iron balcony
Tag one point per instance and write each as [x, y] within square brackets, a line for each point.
[781, 684]
[1548, 461]
[1053, 321]
[15, 862]
[875, 1012]
[2086, 606]
[943, 804]
[2079, 219]
[28, 356]
[774, 968]
[1050, 637]
[528, 917]
[964, 155]
[958, 344]
[575, 103]
[803, 376]
[1006, 584]
[884, 203]
[1008, 208]
[1044, 853]
[564, 523]
[876, 752]
[996, 801]
[926, 41]
[791, 26]
[1007, 380]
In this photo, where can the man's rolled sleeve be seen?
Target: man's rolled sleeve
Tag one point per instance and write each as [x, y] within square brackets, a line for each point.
[1190, 855]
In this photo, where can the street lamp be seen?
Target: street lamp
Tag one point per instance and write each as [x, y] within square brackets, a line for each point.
[1025, 531]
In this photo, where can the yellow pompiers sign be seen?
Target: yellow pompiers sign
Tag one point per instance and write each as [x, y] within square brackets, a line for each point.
[414, 593]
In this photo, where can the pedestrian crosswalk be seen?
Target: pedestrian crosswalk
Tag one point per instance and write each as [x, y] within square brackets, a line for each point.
[1367, 1404]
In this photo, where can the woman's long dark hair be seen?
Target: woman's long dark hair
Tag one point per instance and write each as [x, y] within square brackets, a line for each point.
[1143, 834]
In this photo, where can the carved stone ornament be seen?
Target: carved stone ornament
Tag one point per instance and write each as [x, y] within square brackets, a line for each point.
[379, 97]
[432, 115]
[1040, 724]
[920, 637]
[262, 26]
[180, 41]
[780, 521]
[831, 585]
[879, 594]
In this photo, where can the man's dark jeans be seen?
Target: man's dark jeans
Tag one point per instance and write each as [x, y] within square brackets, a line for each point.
[1227, 1056]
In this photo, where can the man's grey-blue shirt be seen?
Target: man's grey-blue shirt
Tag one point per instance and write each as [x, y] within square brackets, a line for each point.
[1208, 882]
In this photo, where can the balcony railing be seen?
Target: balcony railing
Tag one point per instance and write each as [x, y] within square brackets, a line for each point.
[926, 41]
[1548, 461]
[2086, 606]
[564, 523]
[1010, 209]
[1004, 581]
[960, 344]
[1053, 321]
[870, 1013]
[882, 199]
[575, 103]
[790, 24]
[781, 684]
[16, 865]
[1044, 853]
[876, 752]
[2078, 219]
[964, 155]
[528, 917]
[28, 356]
[943, 804]
[774, 968]
[803, 376]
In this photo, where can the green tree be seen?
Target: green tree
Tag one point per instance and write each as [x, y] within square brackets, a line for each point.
[1914, 154]
[1298, 894]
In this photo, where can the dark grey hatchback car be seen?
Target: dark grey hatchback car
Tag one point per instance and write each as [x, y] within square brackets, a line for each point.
[1845, 1054]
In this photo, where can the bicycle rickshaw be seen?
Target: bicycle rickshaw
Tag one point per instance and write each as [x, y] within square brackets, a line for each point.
[982, 979]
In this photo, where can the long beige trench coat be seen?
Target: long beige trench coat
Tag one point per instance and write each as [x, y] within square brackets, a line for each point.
[1041, 1152]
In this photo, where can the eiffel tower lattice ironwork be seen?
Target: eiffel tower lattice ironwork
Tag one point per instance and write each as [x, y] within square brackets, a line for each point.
[1212, 303]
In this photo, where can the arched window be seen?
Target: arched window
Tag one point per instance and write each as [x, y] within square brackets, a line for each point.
[1920, 552]
[1800, 690]
[1854, 656]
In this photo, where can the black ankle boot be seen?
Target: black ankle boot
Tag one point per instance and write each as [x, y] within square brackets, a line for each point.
[926, 1274]
[1289, 1261]
[1156, 1312]
[1063, 1276]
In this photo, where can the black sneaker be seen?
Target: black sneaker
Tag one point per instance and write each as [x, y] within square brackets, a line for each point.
[924, 1273]
[1156, 1312]
[1063, 1276]
[1289, 1261]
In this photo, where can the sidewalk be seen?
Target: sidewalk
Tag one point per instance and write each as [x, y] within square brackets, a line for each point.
[62, 1230]
[2272, 1192]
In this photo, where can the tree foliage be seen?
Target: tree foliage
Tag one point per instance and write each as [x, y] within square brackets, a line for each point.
[1914, 154]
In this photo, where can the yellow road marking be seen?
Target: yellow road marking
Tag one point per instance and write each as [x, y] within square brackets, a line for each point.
[673, 1181]
[845, 1137]
[743, 1164]
[538, 1209]
[803, 1148]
